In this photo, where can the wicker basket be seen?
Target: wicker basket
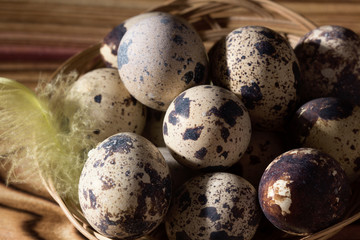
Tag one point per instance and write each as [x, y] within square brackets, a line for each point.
[213, 19]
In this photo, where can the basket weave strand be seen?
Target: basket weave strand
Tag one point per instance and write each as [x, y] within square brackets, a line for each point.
[213, 19]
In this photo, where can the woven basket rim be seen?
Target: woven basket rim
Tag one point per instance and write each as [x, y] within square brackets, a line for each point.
[195, 11]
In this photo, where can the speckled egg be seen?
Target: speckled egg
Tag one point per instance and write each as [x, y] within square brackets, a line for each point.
[125, 187]
[304, 191]
[263, 148]
[110, 43]
[329, 58]
[331, 125]
[260, 66]
[214, 206]
[159, 57]
[104, 105]
[207, 127]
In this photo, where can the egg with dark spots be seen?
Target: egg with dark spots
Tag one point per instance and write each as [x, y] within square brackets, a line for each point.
[329, 58]
[159, 57]
[260, 66]
[125, 187]
[104, 105]
[207, 127]
[263, 148]
[332, 126]
[214, 206]
[304, 191]
[110, 43]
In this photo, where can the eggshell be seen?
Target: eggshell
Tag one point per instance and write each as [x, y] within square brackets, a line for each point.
[110, 43]
[214, 206]
[159, 57]
[304, 191]
[329, 58]
[125, 187]
[207, 127]
[105, 105]
[330, 125]
[260, 66]
[263, 148]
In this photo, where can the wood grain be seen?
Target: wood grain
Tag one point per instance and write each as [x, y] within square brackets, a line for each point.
[36, 36]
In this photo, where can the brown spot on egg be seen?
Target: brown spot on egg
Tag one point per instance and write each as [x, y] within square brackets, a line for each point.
[122, 54]
[188, 77]
[200, 154]
[119, 143]
[225, 133]
[108, 182]
[265, 47]
[193, 133]
[251, 95]
[237, 212]
[165, 129]
[97, 98]
[229, 111]
[210, 213]
[114, 36]
[182, 106]
[92, 199]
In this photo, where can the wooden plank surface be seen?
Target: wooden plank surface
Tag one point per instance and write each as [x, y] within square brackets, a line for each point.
[36, 36]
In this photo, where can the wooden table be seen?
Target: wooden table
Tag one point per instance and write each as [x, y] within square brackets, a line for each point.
[36, 36]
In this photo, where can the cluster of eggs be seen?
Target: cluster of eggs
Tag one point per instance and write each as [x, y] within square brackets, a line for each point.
[199, 140]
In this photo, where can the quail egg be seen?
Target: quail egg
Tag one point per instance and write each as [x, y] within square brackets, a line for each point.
[260, 66]
[329, 58]
[110, 44]
[104, 105]
[304, 191]
[125, 187]
[207, 127]
[214, 206]
[159, 57]
[330, 125]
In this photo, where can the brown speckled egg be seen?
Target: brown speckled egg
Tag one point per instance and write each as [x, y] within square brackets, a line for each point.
[304, 191]
[103, 102]
[260, 66]
[214, 206]
[110, 44]
[207, 127]
[333, 126]
[263, 148]
[159, 57]
[329, 58]
[125, 187]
